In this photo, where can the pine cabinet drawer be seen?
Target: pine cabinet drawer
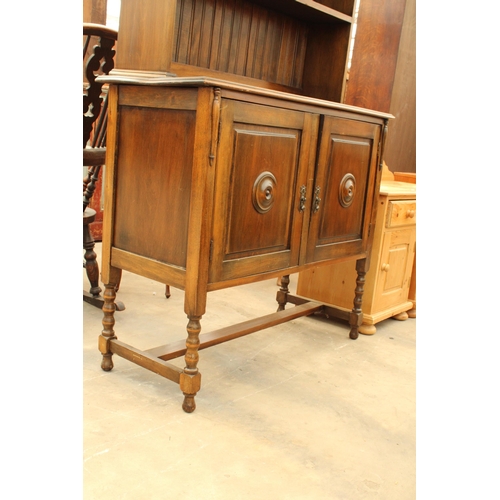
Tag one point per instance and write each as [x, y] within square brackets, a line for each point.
[401, 213]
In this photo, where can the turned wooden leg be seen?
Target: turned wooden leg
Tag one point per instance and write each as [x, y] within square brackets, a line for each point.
[356, 317]
[167, 291]
[108, 322]
[283, 292]
[91, 266]
[190, 380]
[119, 305]
[119, 280]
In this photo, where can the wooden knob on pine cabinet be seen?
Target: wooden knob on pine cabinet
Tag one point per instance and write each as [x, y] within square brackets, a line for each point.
[410, 214]
[385, 267]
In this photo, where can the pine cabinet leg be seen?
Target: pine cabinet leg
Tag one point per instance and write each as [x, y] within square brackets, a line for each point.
[108, 322]
[403, 316]
[190, 380]
[412, 313]
[356, 317]
[367, 329]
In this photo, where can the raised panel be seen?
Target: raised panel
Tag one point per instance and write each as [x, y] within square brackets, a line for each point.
[343, 188]
[153, 183]
[260, 201]
[395, 268]
[257, 224]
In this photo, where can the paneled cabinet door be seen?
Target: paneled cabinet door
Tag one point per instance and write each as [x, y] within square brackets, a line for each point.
[395, 264]
[343, 188]
[263, 159]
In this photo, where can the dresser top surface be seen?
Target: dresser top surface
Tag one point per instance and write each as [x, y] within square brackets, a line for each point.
[138, 78]
[398, 188]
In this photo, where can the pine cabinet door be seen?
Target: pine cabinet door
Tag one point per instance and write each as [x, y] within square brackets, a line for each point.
[395, 266]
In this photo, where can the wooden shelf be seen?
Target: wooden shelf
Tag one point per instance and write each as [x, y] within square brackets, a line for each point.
[306, 10]
[297, 46]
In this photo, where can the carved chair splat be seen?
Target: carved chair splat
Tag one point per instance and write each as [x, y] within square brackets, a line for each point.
[98, 59]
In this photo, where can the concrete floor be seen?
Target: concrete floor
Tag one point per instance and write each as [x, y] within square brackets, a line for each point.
[297, 411]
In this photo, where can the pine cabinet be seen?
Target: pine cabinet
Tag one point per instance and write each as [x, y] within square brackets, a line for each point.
[230, 160]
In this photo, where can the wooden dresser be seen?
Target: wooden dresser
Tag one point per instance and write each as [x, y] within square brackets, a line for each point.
[390, 281]
[230, 160]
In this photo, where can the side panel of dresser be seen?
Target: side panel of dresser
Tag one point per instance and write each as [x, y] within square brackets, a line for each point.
[153, 188]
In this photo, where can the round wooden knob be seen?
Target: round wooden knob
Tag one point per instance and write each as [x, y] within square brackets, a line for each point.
[410, 214]
[263, 192]
[385, 267]
[347, 190]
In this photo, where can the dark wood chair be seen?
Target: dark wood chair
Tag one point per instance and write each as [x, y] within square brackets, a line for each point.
[98, 59]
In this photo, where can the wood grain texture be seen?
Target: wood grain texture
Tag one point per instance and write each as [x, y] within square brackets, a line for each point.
[145, 360]
[298, 46]
[94, 11]
[146, 35]
[174, 350]
[258, 140]
[388, 279]
[324, 77]
[157, 226]
[401, 152]
[241, 38]
[346, 148]
[213, 182]
[375, 54]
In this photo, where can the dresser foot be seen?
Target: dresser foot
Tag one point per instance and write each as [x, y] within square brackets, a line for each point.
[367, 329]
[412, 313]
[403, 316]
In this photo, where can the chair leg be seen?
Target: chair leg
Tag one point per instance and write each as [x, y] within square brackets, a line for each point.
[92, 268]
[93, 296]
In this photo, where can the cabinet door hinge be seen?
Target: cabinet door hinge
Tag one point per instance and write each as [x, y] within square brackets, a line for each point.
[216, 124]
